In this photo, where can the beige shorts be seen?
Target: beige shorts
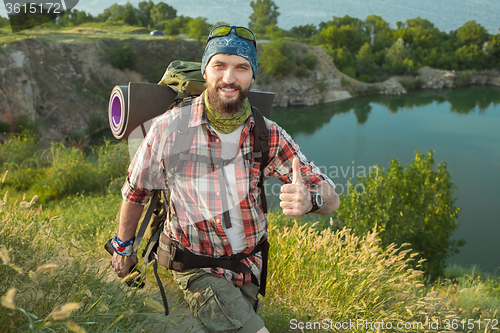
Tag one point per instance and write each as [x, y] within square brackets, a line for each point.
[218, 304]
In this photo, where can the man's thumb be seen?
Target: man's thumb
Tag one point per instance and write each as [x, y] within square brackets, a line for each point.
[297, 177]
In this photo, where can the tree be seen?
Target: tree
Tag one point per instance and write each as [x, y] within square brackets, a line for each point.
[347, 32]
[397, 58]
[198, 28]
[471, 57]
[129, 15]
[176, 26]
[146, 7]
[472, 33]
[380, 31]
[342, 58]
[409, 204]
[365, 65]
[4, 22]
[112, 13]
[265, 13]
[161, 11]
[419, 32]
[305, 31]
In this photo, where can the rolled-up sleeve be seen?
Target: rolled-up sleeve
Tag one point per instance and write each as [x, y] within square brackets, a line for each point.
[144, 173]
[282, 151]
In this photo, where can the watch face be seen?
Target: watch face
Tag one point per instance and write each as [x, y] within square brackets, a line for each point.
[319, 200]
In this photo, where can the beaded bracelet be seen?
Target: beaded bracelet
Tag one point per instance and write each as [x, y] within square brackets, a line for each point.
[122, 248]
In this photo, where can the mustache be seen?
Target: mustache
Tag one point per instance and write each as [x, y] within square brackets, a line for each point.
[228, 86]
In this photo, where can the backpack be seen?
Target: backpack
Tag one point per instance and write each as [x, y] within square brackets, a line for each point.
[186, 79]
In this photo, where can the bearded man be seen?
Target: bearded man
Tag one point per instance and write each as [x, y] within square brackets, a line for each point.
[215, 212]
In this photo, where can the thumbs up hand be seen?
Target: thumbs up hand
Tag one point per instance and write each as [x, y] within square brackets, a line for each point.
[295, 198]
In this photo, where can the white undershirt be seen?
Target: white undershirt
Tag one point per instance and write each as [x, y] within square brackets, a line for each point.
[230, 148]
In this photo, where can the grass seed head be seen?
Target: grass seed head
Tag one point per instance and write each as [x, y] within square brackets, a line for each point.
[7, 300]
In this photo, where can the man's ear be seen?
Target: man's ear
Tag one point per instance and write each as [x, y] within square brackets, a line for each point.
[253, 80]
[205, 75]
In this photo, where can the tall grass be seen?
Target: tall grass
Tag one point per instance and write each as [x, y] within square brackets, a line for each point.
[55, 280]
[60, 170]
[335, 275]
[50, 285]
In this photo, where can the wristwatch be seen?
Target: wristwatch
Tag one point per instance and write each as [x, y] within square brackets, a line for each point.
[316, 200]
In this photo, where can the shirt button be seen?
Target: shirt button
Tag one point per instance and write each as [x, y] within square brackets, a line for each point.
[217, 193]
[217, 140]
[218, 220]
[225, 240]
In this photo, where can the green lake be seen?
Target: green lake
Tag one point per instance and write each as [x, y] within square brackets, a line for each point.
[461, 125]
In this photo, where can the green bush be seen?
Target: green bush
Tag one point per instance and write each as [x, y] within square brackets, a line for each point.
[5, 127]
[277, 58]
[463, 78]
[408, 204]
[310, 60]
[19, 151]
[123, 57]
[302, 72]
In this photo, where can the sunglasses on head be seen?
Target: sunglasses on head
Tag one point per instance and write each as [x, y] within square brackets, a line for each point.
[225, 30]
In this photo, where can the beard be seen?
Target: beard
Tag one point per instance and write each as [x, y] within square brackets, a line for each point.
[226, 108]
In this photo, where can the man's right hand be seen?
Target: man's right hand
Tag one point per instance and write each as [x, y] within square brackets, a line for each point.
[122, 264]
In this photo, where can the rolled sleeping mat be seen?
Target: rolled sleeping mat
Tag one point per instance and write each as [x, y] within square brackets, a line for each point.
[132, 106]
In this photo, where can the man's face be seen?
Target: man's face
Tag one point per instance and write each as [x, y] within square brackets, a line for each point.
[228, 78]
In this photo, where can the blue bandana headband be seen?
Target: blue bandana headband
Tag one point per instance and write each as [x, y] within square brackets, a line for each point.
[230, 44]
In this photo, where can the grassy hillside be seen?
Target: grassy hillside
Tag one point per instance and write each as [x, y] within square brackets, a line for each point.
[59, 206]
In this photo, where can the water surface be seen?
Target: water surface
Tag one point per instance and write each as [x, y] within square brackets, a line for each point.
[462, 126]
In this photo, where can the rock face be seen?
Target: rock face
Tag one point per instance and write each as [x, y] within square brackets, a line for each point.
[324, 84]
[61, 86]
[436, 78]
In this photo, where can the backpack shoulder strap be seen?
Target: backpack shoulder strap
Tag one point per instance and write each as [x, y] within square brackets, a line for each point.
[261, 150]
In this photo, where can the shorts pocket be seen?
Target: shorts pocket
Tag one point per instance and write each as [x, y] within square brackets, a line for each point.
[219, 305]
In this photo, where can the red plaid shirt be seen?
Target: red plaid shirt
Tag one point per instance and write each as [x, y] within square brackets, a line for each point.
[196, 209]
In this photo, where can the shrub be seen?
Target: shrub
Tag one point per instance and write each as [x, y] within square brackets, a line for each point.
[407, 83]
[5, 127]
[345, 82]
[349, 71]
[302, 72]
[408, 204]
[365, 78]
[123, 57]
[310, 61]
[277, 58]
[19, 151]
[463, 78]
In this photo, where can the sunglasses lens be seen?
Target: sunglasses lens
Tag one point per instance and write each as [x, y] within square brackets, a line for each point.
[221, 31]
[245, 33]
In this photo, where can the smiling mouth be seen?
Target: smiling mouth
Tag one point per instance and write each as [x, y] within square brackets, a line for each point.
[229, 90]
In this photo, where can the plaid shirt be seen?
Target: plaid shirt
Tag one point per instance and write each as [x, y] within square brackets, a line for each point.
[196, 209]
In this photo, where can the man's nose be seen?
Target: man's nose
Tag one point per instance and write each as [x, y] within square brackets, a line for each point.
[229, 76]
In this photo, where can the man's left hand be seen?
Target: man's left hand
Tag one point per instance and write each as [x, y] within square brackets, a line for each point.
[295, 197]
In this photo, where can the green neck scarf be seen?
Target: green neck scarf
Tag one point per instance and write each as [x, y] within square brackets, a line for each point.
[228, 124]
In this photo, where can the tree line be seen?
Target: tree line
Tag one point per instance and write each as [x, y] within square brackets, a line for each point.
[369, 50]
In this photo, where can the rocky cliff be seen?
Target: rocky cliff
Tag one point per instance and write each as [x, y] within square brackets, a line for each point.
[65, 86]
[61, 86]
